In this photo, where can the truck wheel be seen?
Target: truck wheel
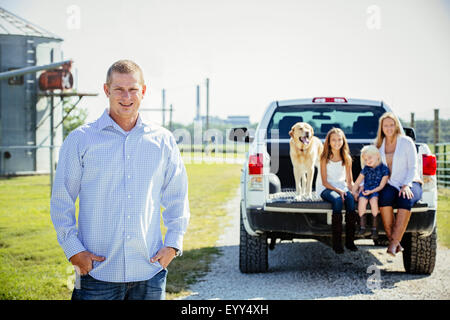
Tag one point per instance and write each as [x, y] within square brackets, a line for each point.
[253, 252]
[419, 256]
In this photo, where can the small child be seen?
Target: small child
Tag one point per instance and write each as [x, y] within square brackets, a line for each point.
[375, 175]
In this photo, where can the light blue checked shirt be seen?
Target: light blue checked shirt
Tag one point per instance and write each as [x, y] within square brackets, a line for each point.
[121, 178]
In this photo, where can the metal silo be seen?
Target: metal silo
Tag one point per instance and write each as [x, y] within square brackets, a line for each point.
[24, 115]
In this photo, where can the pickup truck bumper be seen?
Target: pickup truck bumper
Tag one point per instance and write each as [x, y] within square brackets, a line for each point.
[313, 221]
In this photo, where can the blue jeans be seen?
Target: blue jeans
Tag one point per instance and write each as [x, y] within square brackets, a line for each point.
[389, 197]
[336, 201]
[93, 289]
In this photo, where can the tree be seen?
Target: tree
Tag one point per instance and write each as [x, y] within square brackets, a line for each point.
[74, 118]
[425, 130]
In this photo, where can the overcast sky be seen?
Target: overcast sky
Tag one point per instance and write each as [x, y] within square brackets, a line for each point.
[255, 52]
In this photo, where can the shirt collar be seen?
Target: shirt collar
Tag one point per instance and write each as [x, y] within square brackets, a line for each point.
[106, 121]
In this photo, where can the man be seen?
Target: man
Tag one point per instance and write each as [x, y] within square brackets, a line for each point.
[123, 170]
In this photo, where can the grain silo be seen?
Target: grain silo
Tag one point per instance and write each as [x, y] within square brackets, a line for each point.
[24, 113]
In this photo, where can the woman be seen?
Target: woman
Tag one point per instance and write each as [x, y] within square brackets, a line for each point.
[404, 187]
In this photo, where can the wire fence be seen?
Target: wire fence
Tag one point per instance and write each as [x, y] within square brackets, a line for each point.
[442, 151]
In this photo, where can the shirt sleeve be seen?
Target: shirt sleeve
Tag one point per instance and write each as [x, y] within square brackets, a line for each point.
[174, 198]
[66, 187]
[364, 171]
[411, 162]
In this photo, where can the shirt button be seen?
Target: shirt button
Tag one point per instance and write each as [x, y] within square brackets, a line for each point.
[129, 217]
[128, 157]
[129, 196]
[129, 176]
[128, 237]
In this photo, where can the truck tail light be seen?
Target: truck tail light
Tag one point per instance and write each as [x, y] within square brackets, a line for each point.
[324, 100]
[429, 164]
[255, 164]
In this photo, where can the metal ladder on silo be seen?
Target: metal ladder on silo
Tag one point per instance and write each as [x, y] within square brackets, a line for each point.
[30, 99]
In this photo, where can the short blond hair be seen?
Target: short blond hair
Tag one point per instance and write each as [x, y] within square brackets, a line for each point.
[380, 134]
[370, 150]
[125, 66]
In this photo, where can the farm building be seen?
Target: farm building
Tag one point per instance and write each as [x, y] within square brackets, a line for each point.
[24, 114]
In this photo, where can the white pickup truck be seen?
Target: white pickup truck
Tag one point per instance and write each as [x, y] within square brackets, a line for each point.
[270, 210]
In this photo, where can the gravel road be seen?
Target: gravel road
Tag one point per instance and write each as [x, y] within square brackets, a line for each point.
[308, 269]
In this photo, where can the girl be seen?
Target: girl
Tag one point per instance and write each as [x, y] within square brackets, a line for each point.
[375, 175]
[337, 181]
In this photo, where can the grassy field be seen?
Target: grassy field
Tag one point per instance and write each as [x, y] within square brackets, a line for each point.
[33, 266]
[443, 217]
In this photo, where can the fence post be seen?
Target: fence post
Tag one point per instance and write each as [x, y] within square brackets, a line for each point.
[436, 152]
[445, 167]
[436, 128]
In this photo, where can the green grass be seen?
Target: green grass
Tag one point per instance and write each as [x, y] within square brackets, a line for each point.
[210, 187]
[443, 217]
[194, 157]
[33, 265]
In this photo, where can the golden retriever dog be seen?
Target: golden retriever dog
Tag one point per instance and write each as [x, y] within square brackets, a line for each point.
[305, 151]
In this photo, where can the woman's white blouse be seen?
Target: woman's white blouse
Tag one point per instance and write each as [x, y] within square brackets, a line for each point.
[405, 168]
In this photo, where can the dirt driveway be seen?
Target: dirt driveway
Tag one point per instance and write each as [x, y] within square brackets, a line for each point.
[308, 269]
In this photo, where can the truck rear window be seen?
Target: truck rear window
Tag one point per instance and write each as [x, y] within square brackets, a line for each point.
[357, 121]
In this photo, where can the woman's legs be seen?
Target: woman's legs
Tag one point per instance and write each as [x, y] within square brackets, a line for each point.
[387, 198]
[401, 222]
[387, 216]
[403, 215]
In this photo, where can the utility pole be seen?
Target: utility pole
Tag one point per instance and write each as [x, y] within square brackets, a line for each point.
[170, 117]
[51, 134]
[413, 122]
[436, 129]
[207, 103]
[198, 104]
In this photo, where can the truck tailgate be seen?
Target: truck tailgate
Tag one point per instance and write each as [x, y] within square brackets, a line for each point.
[287, 201]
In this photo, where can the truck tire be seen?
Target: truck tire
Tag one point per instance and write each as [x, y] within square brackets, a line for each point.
[419, 256]
[253, 252]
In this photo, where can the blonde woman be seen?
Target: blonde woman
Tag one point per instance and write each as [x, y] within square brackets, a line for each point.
[375, 175]
[404, 187]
